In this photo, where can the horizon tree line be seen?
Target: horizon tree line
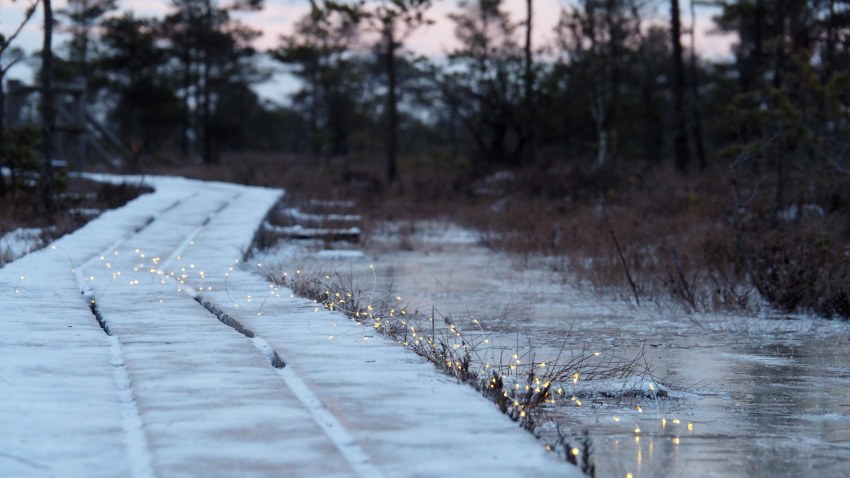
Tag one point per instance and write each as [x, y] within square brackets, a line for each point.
[616, 86]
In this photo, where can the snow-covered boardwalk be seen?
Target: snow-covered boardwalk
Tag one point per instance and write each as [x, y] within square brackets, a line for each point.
[188, 368]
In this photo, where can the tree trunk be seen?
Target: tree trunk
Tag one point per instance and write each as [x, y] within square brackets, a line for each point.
[680, 135]
[779, 46]
[2, 132]
[314, 119]
[82, 59]
[603, 149]
[599, 118]
[206, 114]
[696, 124]
[652, 129]
[187, 114]
[210, 156]
[392, 111]
[529, 86]
[757, 60]
[47, 113]
[829, 60]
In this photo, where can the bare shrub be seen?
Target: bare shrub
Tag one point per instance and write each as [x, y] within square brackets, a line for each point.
[518, 385]
[689, 239]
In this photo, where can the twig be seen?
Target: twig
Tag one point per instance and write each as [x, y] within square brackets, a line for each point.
[619, 249]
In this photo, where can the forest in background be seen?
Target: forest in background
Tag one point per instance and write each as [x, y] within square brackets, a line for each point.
[618, 148]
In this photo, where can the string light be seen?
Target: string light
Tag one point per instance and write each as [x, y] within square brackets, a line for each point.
[386, 320]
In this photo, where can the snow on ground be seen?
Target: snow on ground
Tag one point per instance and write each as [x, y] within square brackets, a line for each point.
[195, 366]
[16, 243]
[426, 233]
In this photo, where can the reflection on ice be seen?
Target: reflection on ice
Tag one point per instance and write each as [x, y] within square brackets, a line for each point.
[748, 396]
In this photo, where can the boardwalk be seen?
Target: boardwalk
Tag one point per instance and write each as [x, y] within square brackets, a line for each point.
[189, 364]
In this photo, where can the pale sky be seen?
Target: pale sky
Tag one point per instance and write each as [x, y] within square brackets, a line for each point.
[278, 17]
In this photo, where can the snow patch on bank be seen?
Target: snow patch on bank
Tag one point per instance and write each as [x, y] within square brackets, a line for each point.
[19, 242]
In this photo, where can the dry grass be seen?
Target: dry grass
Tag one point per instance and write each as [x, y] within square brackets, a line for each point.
[20, 209]
[690, 239]
[519, 385]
